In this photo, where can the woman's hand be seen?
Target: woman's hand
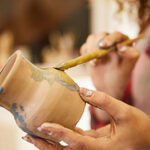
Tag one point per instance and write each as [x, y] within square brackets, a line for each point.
[41, 144]
[129, 128]
[111, 73]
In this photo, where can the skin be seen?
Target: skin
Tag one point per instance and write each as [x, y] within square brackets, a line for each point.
[110, 74]
[127, 123]
[141, 77]
[141, 84]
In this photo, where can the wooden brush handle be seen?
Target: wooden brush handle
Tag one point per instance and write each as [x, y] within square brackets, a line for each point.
[92, 55]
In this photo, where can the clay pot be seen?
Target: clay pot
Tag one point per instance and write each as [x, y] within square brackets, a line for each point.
[34, 95]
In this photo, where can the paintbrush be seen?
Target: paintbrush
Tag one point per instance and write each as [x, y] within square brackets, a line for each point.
[94, 54]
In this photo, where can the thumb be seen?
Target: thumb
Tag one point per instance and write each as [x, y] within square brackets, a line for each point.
[117, 109]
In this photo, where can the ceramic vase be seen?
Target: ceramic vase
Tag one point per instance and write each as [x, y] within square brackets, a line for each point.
[34, 95]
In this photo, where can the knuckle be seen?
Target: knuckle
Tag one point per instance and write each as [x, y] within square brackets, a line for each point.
[117, 32]
[103, 98]
[134, 53]
[61, 133]
[83, 48]
[126, 113]
[80, 145]
[108, 40]
[120, 36]
[99, 98]
[101, 35]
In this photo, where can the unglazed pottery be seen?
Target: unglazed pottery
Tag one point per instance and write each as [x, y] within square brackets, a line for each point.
[34, 95]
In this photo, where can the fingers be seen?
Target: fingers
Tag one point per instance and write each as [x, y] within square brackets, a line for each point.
[112, 39]
[102, 40]
[41, 144]
[128, 53]
[79, 130]
[95, 38]
[129, 56]
[104, 131]
[83, 49]
[115, 108]
[91, 45]
[91, 133]
[73, 139]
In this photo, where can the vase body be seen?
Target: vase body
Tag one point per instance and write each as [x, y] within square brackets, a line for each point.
[34, 95]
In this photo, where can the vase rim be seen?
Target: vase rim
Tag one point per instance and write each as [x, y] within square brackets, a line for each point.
[10, 68]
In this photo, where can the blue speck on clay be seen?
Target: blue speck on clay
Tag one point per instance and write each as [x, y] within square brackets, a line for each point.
[19, 117]
[21, 120]
[21, 107]
[16, 115]
[14, 106]
[1, 90]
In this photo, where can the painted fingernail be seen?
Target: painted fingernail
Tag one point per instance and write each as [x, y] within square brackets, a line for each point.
[44, 130]
[122, 48]
[86, 92]
[93, 62]
[101, 43]
[27, 139]
[39, 129]
[63, 143]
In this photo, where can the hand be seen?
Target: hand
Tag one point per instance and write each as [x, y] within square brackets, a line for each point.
[129, 128]
[111, 73]
[41, 144]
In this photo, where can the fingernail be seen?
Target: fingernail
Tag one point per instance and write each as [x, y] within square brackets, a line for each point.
[39, 129]
[63, 143]
[101, 43]
[86, 92]
[44, 130]
[122, 48]
[93, 62]
[27, 139]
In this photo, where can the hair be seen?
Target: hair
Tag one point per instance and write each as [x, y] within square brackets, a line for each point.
[140, 8]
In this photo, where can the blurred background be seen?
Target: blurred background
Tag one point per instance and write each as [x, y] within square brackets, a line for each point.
[49, 32]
